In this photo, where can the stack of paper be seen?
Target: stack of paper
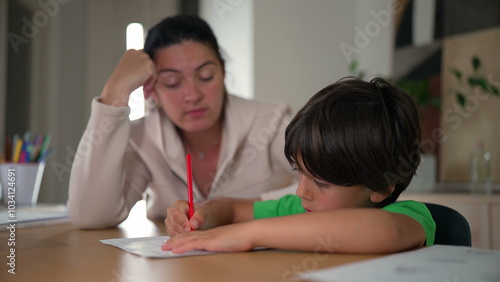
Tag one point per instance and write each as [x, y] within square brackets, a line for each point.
[437, 263]
[33, 216]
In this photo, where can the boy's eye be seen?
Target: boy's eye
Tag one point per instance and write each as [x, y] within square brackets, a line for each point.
[297, 170]
[320, 184]
[172, 85]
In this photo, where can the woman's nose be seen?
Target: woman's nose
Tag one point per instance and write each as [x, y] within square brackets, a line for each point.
[192, 92]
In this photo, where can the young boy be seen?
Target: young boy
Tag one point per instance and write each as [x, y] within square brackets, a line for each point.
[355, 146]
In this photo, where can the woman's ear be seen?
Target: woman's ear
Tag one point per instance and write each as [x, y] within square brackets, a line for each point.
[149, 88]
[155, 100]
[377, 197]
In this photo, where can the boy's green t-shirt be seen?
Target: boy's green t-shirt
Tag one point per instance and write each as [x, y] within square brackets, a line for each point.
[291, 204]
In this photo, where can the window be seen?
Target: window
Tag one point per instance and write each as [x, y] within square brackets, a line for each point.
[135, 40]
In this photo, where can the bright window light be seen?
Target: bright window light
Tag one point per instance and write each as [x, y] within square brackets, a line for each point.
[135, 40]
[135, 36]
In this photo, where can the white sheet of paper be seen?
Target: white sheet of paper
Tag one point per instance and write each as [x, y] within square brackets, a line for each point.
[149, 247]
[436, 263]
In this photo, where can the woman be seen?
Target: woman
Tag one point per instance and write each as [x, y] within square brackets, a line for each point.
[237, 145]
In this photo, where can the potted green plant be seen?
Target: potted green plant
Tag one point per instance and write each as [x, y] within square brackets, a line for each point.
[418, 88]
[475, 81]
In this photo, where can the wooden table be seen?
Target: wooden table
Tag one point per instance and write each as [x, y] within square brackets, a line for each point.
[64, 253]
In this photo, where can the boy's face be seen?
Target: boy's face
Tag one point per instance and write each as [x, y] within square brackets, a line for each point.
[318, 195]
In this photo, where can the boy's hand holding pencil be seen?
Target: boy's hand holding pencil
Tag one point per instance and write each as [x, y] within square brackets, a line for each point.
[181, 217]
[178, 220]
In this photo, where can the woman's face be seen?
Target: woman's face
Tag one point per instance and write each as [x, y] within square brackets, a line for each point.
[190, 85]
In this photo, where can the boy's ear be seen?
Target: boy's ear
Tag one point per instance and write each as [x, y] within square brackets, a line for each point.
[377, 197]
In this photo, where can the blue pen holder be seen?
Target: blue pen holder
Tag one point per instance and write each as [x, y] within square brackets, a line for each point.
[21, 183]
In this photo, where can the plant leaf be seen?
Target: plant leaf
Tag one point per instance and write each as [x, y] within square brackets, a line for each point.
[476, 63]
[353, 66]
[483, 83]
[461, 99]
[473, 81]
[494, 90]
[361, 75]
[435, 102]
[456, 73]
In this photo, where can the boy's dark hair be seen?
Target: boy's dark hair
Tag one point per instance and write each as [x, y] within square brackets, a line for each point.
[358, 133]
[176, 29]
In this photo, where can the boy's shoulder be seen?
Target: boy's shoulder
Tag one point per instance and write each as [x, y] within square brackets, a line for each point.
[286, 205]
[408, 207]
[405, 204]
[419, 212]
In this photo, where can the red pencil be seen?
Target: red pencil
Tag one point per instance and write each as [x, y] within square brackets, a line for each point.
[190, 185]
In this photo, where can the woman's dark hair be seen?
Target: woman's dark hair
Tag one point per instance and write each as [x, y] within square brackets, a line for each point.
[357, 133]
[176, 29]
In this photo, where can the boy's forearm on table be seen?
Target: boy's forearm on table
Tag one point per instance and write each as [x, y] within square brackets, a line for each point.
[223, 212]
[335, 232]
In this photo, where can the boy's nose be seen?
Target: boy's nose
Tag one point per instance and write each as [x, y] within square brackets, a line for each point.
[302, 190]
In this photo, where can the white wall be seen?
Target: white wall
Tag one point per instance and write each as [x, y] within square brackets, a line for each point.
[297, 46]
[233, 23]
[375, 22]
[73, 55]
[57, 99]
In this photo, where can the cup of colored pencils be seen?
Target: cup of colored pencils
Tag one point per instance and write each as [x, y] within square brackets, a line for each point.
[21, 168]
